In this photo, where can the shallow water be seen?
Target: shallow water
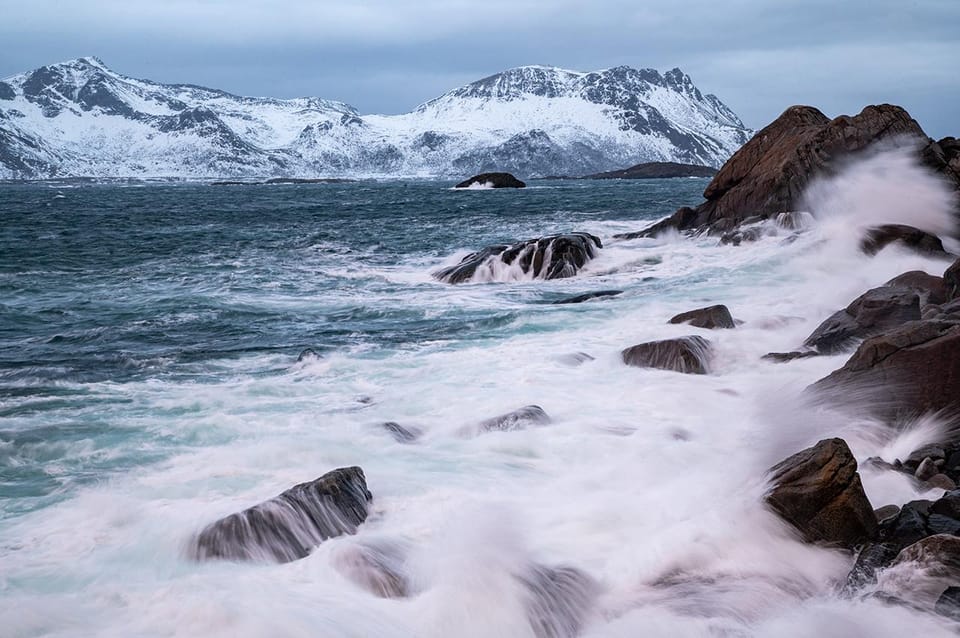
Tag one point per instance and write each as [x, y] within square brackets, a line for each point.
[149, 384]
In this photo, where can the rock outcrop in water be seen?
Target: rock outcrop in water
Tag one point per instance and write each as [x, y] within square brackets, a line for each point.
[657, 170]
[515, 420]
[289, 526]
[690, 355]
[492, 180]
[879, 237]
[769, 174]
[818, 491]
[869, 314]
[551, 257]
[712, 317]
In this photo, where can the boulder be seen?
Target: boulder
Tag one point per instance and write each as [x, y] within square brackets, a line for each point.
[908, 526]
[288, 527]
[379, 567]
[515, 420]
[492, 180]
[932, 289]
[901, 373]
[551, 257]
[951, 281]
[689, 355]
[940, 552]
[711, 317]
[769, 173]
[400, 433]
[870, 559]
[948, 605]
[871, 313]
[879, 237]
[818, 491]
[308, 354]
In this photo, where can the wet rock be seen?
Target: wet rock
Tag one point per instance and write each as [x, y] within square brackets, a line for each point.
[379, 567]
[940, 553]
[907, 371]
[886, 513]
[786, 357]
[925, 470]
[308, 354]
[948, 605]
[551, 257]
[940, 524]
[934, 451]
[932, 289]
[400, 433]
[516, 420]
[689, 355]
[711, 317]
[872, 558]
[869, 314]
[492, 180]
[575, 358]
[819, 492]
[951, 281]
[289, 526]
[879, 237]
[909, 526]
[558, 600]
[942, 481]
[589, 295]
[770, 173]
[947, 505]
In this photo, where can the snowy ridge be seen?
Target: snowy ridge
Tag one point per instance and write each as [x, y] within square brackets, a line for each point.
[80, 118]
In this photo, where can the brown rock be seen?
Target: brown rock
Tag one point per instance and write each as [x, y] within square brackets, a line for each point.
[942, 481]
[818, 491]
[940, 553]
[932, 289]
[686, 354]
[907, 371]
[711, 317]
[879, 237]
[769, 173]
[871, 313]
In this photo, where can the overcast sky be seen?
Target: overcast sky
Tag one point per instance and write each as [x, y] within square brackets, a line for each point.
[758, 56]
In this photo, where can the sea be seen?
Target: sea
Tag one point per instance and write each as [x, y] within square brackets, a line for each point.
[151, 382]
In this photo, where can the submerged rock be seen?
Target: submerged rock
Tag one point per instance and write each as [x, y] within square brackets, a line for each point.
[308, 354]
[400, 433]
[289, 526]
[869, 314]
[516, 420]
[786, 357]
[379, 567]
[587, 296]
[551, 257]
[558, 600]
[902, 373]
[879, 237]
[689, 355]
[710, 317]
[492, 180]
[818, 491]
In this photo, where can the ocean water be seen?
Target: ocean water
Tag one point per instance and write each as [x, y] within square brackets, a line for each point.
[150, 384]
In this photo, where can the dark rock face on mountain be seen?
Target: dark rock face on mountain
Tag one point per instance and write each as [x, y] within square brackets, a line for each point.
[492, 180]
[711, 317]
[552, 257]
[879, 237]
[690, 355]
[657, 170]
[903, 372]
[818, 491]
[289, 526]
[869, 314]
[769, 173]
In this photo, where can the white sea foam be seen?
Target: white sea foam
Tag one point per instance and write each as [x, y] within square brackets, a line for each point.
[649, 481]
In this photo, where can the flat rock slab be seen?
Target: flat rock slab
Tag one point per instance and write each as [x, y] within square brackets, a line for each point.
[289, 526]
[818, 491]
[689, 355]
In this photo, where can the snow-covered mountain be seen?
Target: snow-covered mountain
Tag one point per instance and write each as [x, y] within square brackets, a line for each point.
[79, 118]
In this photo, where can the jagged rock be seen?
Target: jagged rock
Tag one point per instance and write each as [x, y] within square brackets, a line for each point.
[768, 175]
[786, 357]
[557, 600]
[932, 289]
[711, 317]
[871, 313]
[879, 237]
[289, 526]
[951, 281]
[551, 257]
[492, 180]
[939, 553]
[686, 354]
[871, 558]
[909, 526]
[910, 370]
[818, 491]
[947, 505]
[587, 296]
[400, 433]
[516, 420]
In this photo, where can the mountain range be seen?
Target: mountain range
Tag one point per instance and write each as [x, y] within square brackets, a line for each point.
[80, 118]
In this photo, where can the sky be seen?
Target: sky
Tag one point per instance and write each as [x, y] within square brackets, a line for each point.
[387, 56]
